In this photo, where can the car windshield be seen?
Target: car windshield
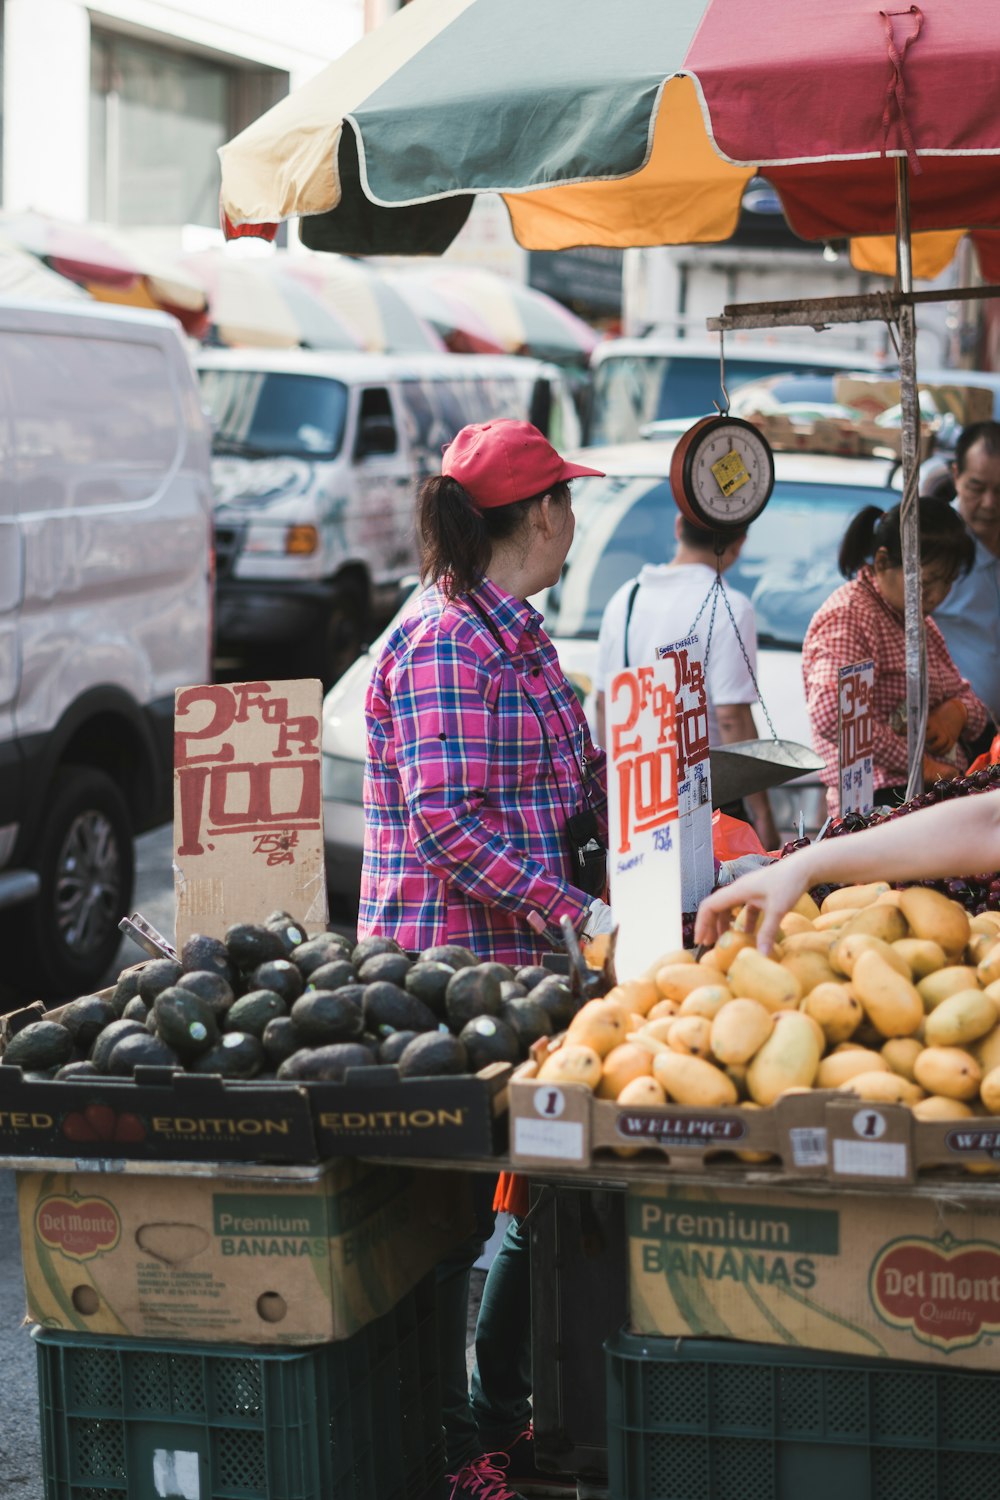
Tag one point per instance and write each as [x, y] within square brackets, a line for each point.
[259, 412]
[788, 565]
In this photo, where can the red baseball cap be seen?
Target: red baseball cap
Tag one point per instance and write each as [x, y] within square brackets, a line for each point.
[498, 463]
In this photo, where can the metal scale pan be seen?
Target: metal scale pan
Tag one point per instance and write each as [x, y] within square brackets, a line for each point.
[747, 766]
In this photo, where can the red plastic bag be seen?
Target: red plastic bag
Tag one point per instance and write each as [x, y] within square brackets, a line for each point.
[989, 757]
[731, 838]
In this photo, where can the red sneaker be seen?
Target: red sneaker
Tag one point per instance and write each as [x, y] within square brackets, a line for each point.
[482, 1479]
[527, 1477]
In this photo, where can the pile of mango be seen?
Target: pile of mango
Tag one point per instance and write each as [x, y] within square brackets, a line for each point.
[893, 996]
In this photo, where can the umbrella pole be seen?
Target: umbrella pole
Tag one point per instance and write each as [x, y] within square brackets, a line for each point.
[916, 676]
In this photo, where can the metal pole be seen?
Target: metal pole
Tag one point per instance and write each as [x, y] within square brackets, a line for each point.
[916, 667]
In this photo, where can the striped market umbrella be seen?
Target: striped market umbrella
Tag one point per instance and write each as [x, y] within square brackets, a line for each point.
[638, 123]
[384, 320]
[456, 321]
[518, 319]
[108, 266]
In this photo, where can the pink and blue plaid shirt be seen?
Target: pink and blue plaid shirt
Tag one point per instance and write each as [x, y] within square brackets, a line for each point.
[465, 808]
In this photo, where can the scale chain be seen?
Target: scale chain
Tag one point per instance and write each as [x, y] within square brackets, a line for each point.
[718, 587]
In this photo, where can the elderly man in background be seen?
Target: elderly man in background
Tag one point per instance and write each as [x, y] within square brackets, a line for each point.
[969, 618]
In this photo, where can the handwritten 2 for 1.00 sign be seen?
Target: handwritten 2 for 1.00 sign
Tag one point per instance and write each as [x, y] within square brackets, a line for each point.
[856, 685]
[248, 811]
[644, 854]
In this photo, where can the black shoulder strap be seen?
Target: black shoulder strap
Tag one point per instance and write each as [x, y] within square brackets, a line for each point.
[628, 619]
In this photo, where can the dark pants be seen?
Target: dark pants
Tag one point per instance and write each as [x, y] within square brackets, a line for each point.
[501, 1382]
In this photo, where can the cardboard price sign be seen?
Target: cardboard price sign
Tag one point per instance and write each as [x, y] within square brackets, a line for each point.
[248, 810]
[644, 853]
[694, 776]
[856, 737]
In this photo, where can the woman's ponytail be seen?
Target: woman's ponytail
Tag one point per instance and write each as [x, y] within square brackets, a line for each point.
[454, 544]
[858, 545]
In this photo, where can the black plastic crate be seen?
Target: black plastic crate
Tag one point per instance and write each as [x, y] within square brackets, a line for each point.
[128, 1419]
[696, 1419]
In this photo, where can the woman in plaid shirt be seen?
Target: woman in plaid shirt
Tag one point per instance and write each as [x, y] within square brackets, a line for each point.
[863, 620]
[478, 757]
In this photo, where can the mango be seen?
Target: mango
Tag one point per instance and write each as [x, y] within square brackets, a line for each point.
[930, 915]
[986, 921]
[674, 956]
[808, 942]
[659, 1029]
[729, 944]
[810, 969]
[651, 1044]
[690, 1034]
[572, 1064]
[889, 1001]
[693, 1081]
[885, 922]
[845, 951]
[791, 923]
[805, 906]
[923, 956]
[754, 977]
[739, 1030]
[988, 967]
[707, 1000]
[989, 1091]
[856, 896]
[829, 920]
[901, 1052]
[663, 1009]
[883, 1088]
[949, 1071]
[600, 1024]
[836, 1010]
[675, 981]
[940, 1107]
[636, 995]
[836, 1068]
[987, 1050]
[993, 991]
[621, 1066]
[944, 982]
[979, 947]
[961, 1018]
[788, 1059]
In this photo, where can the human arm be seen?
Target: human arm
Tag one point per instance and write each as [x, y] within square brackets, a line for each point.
[736, 722]
[956, 712]
[953, 838]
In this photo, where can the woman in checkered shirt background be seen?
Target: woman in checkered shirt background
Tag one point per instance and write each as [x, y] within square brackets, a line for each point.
[863, 620]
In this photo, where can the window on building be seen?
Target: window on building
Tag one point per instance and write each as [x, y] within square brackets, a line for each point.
[157, 119]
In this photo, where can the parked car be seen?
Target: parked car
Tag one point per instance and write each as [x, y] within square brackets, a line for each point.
[788, 567]
[105, 609]
[315, 460]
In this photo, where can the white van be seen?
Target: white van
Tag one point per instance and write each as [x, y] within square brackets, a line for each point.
[105, 608]
[657, 378]
[316, 460]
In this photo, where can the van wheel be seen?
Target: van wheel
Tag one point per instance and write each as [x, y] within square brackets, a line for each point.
[343, 634]
[86, 862]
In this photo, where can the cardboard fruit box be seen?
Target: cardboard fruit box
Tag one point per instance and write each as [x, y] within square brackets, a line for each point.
[899, 1277]
[375, 1112]
[219, 1260]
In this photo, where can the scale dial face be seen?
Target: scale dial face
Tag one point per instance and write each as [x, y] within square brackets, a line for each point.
[722, 472]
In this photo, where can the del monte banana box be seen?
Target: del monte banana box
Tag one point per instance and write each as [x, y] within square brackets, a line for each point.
[904, 1278]
[218, 1260]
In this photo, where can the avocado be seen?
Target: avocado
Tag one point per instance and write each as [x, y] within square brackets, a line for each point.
[449, 953]
[388, 1008]
[471, 992]
[277, 918]
[433, 1055]
[326, 1064]
[323, 949]
[369, 946]
[250, 944]
[158, 975]
[280, 1040]
[528, 1020]
[136, 1010]
[141, 1051]
[128, 986]
[280, 975]
[531, 975]
[487, 1040]
[512, 989]
[253, 1012]
[391, 1050]
[236, 1055]
[393, 967]
[204, 952]
[77, 1070]
[100, 1052]
[332, 975]
[322, 1017]
[428, 981]
[39, 1045]
[502, 973]
[86, 1018]
[184, 1022]
[555, 996]
[211, 987]
[289, 933]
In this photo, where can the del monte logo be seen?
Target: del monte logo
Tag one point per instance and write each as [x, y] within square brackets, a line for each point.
[945, 1292]
[78, 1227]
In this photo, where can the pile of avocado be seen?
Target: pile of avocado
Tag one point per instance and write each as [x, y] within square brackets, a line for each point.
[270, 1002]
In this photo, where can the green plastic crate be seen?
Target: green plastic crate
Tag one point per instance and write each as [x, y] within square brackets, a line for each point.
[129, 1419]
[697, 1419]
